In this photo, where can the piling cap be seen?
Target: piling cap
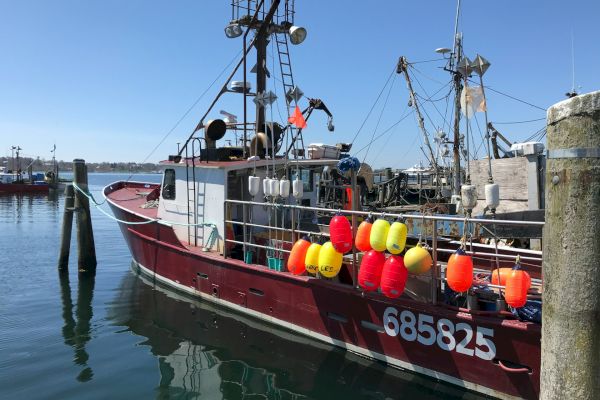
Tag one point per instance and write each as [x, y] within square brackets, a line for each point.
[584, 104]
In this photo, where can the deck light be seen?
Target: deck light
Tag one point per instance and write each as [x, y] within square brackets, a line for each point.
[297, 34]
[233, 30]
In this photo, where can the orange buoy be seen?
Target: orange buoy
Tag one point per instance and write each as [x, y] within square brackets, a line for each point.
[363, 235]
[459, 272]
[371, 266]
[417, 260]
[296, 263]
[340, 233]
[330, 260]
[311, 261]
[504, 273]
[393, 277]
[517, 285]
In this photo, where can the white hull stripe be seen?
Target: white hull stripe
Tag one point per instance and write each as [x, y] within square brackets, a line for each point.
[348, 346]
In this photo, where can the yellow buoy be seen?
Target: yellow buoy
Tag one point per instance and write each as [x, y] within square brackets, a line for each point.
[417, 260]
[330, 261]
[379, 233]
[312, 258]
[396, 238]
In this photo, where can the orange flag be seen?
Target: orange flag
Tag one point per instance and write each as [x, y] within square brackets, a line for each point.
[297, 119]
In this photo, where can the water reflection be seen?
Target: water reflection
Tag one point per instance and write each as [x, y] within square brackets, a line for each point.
[76, 331]
[207, 352]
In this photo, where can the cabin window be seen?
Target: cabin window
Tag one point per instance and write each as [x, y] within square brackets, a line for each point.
[168, 189]
[307, 177]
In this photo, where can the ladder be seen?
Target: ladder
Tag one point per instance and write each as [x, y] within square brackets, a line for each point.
[192, 192]
[287, 77]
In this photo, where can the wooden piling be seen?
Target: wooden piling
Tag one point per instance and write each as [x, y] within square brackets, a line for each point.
[571, 288]
[85, 236]
[67, 227]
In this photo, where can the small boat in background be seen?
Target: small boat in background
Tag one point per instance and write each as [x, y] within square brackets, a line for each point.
[17, 182]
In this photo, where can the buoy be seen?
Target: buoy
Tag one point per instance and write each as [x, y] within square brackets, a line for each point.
[504, 273]
[459, 272]
[371, 267]
[468, 196]
[396, 238]
[348, 203]
[311, 261]
[267, 186]
[393, 277]
[340, 233]
[492, 196]
[363, 235]
[298, 188]
[517, 285]
[379, 233]
[274, 187]
[284, 188]
[330, 261]
[297, 259]
[417, 260]
[253, 185]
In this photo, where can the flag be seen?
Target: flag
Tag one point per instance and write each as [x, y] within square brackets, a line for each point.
[297, 119]
[472, 100]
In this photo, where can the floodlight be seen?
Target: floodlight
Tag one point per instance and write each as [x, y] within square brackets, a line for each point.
[233, 30]
[297, 34]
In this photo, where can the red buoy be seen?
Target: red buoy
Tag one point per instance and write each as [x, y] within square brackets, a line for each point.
[393, 277]
[363, 235]
[371, 267]
[340, 233]
[459, 272]
[296, 261]
[517, 285]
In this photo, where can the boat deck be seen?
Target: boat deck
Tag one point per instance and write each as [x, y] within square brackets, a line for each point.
[135, 197]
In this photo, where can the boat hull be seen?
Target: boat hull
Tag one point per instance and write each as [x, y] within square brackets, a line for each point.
[16, 188]
[464, 349]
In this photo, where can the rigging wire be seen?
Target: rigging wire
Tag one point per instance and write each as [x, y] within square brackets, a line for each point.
[380, 115]
[186, 113]
[426, 61]
[388, 138]
[510, 97]
[387, 130]
[434, 106]
[374, 104]
[518, 122]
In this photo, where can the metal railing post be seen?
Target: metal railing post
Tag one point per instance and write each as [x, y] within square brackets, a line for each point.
[225, 209]
[435, 272]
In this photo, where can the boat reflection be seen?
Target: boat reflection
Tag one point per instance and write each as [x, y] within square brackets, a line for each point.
[76, 331]
[205, 351]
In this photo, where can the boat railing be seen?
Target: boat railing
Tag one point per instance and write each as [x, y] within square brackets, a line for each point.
[430, 235]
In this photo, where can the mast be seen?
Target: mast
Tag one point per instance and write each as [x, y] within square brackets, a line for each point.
[261, 76]
[403, 67]
[457, 89]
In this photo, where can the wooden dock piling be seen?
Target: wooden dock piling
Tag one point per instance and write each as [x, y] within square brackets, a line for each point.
[85, 236]
[571, 288]
[67, 227]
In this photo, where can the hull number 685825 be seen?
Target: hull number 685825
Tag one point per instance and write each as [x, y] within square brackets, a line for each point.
[442, 332]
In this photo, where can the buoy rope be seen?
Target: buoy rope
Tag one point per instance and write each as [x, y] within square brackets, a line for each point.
[211, 238]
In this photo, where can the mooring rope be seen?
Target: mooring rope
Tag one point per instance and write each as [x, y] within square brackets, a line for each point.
[212, 237]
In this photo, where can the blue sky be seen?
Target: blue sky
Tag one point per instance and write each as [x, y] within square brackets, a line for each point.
[106, 80]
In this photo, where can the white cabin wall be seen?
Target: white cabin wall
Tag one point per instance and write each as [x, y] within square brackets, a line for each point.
[210, 192]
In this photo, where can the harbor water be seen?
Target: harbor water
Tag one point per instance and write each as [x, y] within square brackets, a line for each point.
[117, 335]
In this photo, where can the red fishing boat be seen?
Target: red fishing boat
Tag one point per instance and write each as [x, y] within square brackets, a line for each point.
[221, 225]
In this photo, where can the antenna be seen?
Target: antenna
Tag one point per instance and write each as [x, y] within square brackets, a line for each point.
[572, 93]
